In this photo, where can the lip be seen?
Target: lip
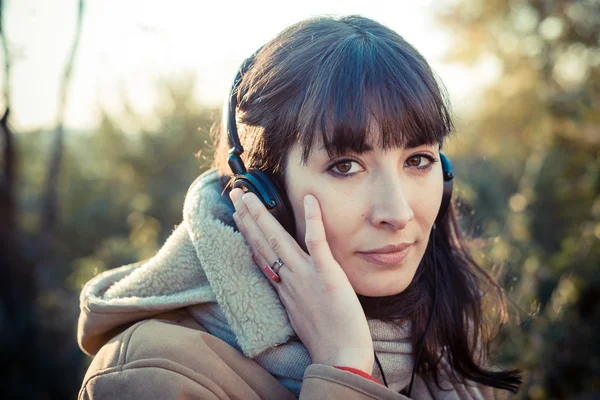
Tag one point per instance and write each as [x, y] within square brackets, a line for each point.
[384, 256]
[391, 248]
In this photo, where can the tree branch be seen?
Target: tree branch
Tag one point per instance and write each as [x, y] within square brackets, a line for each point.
[50, 198]
[7, 177]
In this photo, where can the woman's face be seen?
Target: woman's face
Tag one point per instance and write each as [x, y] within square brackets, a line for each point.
[369, 201]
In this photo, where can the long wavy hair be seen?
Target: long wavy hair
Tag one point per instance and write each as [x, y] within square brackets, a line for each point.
[325, 80]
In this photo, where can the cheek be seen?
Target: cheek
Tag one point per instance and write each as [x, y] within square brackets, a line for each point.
[427, 205]
[298, 210]
[426, 210]
[335, 215]
[341, 221]
[296, 197]
[334, 227]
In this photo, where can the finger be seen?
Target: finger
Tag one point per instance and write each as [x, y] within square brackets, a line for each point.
[268, 271]
[258, 259]
[271, 239]
[315, 239]
[252, 232]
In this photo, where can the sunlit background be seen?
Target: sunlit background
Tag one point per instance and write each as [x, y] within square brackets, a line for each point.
[125, 47]
[109, 123]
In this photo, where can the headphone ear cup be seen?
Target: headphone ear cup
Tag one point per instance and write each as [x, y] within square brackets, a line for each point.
[270, 194]
[445, 201]
[448, 185]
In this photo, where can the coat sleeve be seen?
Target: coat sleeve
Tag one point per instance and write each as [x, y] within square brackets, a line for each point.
[326, 382]
[175, 358]
[150, 381]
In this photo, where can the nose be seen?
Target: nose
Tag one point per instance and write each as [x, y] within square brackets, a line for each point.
[390, 205]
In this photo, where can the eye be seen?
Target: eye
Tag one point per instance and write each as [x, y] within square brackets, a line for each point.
[416, 161]
[343, 168]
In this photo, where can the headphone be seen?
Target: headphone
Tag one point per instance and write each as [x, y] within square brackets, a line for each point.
[263, 185]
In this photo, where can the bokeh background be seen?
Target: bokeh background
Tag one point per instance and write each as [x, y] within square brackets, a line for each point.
[106, 108]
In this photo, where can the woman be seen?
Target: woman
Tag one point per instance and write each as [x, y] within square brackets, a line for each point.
[366, 289]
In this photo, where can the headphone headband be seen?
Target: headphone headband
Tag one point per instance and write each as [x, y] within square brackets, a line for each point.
[236, 149]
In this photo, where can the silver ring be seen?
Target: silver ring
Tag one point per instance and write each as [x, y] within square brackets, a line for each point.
[280, 264]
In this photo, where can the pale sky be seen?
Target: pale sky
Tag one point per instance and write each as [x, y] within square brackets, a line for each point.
[127, 45]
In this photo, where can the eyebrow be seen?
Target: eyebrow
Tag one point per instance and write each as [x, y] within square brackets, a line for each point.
[413, 144]
[366, 148]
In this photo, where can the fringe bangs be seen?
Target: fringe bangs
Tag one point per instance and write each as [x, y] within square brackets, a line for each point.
[363, 88]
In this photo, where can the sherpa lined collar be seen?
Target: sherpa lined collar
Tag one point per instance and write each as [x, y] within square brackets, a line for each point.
[204, 260]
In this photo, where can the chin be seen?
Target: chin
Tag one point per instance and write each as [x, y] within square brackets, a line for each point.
[380, 290]
[385, 282]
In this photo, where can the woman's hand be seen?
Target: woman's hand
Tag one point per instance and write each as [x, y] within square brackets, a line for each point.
[320, 302]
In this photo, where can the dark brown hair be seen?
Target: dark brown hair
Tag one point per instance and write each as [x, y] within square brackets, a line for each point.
[326, 81]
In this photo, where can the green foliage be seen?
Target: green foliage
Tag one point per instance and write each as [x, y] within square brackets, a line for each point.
[121, 192]
[531, 153]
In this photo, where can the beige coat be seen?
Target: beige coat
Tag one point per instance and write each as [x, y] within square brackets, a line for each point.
[173, 357]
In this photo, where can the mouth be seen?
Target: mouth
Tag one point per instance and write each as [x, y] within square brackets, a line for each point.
[391, 258]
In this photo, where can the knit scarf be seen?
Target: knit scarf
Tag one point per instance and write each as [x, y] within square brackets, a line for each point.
[206, 266]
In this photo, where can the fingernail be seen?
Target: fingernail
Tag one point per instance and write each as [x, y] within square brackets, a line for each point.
[247, 199]
[309, 200]
[235, 194]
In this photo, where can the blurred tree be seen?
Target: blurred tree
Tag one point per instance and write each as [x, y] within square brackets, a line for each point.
[121, 192]
[30, 368]
[49, 206]
[125, 191]
[535, 135]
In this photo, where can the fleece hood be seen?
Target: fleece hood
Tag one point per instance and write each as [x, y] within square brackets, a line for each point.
[204, 260]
